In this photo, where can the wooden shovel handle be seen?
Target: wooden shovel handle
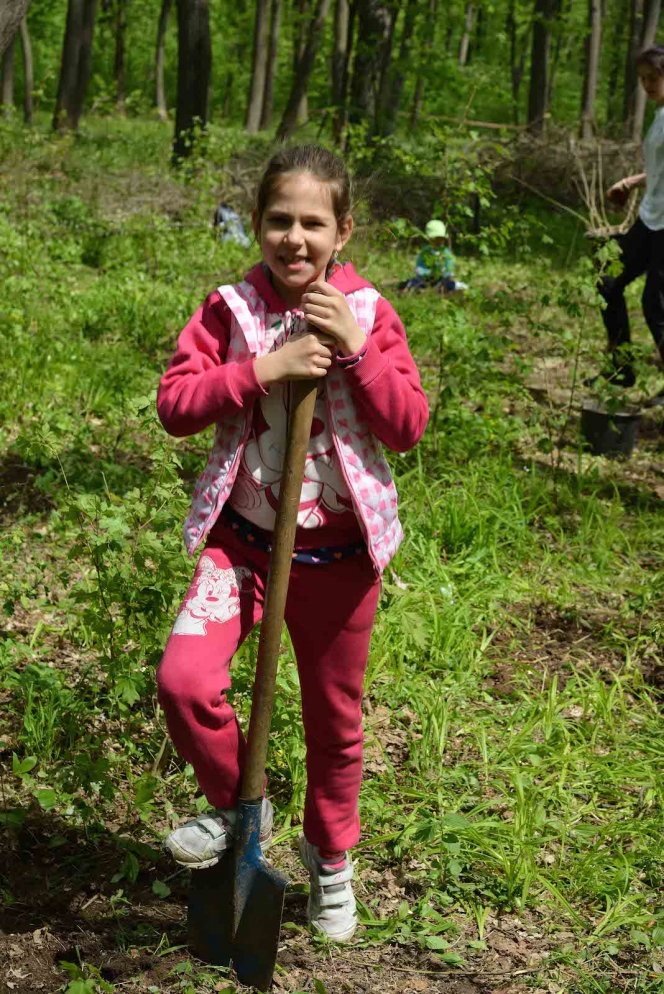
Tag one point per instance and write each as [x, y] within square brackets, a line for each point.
[302, 401]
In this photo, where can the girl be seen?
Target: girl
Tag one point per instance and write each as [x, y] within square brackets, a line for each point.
[298, 315]
[642, 247]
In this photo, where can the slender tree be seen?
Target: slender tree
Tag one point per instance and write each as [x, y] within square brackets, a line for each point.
[12, 13]
[340, 66]
[374, 32]
[593, 45]
[119, 58]
[194, 66]
[76, 63]
[160, 90]
[518, 53]
[467, 32]
[301, 81]
[544, 15]
[271, 68]
[392, 90]
[259, 65]
[418, 96]
[302, 18]
[28, 71]
[616, 60]
[7, 82]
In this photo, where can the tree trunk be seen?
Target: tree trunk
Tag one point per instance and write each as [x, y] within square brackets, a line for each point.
[299, 44]
[301, 81]
[396, 75]
[7, 87]
[593, 48]
[12, 13]
[517, 58]
[651, 15]
[257, 88]
[119, 61]
[538, 96]
[374, 25]
[271, 68]
[616, 61]
[418, 96]
[194, 64]
[76, 62]
[467, 31]
[631, 78]
[160, 91]
[339, 67]
[28, 71]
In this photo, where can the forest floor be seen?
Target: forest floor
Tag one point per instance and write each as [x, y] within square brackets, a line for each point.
[513, 792]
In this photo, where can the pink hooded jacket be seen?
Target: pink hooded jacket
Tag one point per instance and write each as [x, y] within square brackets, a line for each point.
[211, 379]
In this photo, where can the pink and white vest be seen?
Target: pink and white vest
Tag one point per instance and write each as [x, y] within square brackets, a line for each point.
[254, 332]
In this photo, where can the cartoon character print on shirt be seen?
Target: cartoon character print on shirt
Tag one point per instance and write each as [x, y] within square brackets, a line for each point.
[255, 493]
[216, 597]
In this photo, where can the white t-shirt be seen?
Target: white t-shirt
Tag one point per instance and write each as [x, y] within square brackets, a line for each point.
[652, 205]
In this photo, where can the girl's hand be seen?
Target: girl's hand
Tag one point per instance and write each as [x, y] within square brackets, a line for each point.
[327, 308]
[305, 356]
[619, 192]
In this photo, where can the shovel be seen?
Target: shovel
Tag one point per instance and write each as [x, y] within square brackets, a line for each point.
[235, 907]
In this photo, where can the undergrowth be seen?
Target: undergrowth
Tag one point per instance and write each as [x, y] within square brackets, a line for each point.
[514, 737]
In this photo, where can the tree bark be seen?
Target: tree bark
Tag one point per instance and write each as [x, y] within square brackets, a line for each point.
[257, 88]
[593, 48]
[467, 31]
[517, 58]
[7, 87]
[76, 62]
[119, 60]
[615, 64]
[340, 66]
[631, 78]
[160, 91]
[392, 90]
[299, 44]
[418, 97]
[194, 64]
[374, 24]
[544, 14]
[271, 68]
[28, 71]
[651, 15]
[301, 81]
[12, 13]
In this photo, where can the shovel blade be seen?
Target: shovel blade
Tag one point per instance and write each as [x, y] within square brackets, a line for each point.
[235, 907]
[210, 915]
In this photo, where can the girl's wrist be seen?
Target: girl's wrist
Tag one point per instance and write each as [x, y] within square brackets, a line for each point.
[268, 369]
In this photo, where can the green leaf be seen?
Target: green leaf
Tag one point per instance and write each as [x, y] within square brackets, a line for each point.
[21, 767]
[47, 799]
[319, 986]
[436, 942]
[455, 821]
[452, 958]
[657, 936]
[455, 867]
[160, 888]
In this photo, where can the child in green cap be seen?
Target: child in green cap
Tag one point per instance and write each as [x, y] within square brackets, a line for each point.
[434, 266]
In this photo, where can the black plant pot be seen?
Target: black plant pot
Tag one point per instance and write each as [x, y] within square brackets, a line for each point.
[609, 433]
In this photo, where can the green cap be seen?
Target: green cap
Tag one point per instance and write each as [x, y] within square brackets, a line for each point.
[435, 229]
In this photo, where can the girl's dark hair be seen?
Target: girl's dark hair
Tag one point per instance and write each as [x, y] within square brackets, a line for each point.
[653, 57]
[314, 159]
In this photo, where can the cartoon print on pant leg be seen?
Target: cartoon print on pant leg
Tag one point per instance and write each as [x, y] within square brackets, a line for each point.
[217, 597]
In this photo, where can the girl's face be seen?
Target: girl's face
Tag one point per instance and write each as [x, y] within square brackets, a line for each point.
[652, 82]
[299, 232]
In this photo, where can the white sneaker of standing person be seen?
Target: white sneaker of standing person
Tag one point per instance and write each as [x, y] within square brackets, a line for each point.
[198, 844]
[331, 906]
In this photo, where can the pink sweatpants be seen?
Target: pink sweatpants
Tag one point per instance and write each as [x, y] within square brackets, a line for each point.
[329, 613]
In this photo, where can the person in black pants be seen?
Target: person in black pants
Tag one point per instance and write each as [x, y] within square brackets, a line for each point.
[642, 247]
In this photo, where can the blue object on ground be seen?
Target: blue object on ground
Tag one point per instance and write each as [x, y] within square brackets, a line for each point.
[230, 226]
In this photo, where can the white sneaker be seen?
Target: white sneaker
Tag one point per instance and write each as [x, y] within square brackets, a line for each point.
[199, 843]
[331, 906]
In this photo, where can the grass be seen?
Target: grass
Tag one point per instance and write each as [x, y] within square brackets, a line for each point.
[512, 804]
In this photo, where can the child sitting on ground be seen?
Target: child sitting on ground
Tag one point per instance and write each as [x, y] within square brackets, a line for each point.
[434, 266]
